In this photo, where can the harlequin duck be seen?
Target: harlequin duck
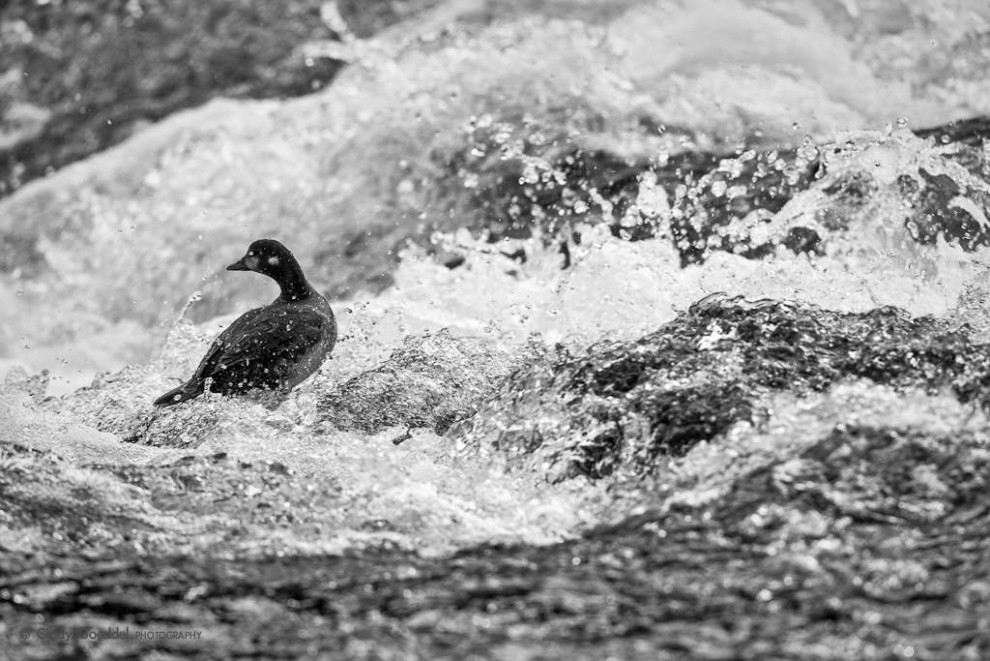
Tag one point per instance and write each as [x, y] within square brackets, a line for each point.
[271, 348]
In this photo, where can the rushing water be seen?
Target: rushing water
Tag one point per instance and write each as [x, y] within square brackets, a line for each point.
[132, 243]
[154, 221]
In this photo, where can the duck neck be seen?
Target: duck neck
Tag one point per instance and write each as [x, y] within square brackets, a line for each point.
[293, 285]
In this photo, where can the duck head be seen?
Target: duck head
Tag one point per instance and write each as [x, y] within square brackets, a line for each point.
[271, 258]
[265, 256]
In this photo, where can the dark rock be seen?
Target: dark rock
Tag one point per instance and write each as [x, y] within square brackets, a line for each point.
[433, 381]
[119, 404]
[870, 475]
[756, 183]
[522, 178]
[935, 214]
[971, 132]
[516, 179]
[519, 180]
[621, 405]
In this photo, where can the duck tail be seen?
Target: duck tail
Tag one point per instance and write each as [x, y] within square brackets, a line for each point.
[186, 391]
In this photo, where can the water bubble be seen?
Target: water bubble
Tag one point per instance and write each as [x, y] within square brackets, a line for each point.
[530, 175]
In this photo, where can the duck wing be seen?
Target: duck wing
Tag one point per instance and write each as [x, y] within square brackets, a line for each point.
[263, 347]
[214, 355]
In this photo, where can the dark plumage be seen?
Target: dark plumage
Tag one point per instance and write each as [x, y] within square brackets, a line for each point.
[272, 348]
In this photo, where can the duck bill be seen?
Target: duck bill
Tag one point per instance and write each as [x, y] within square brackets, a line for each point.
[239, 265]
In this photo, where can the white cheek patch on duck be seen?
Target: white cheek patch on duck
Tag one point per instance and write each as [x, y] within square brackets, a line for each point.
[273, 261]
[251, 262]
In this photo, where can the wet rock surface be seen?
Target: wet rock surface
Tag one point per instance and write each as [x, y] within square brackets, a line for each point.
[432, 381]
[870, 542]
[624, 404]
[514, 182]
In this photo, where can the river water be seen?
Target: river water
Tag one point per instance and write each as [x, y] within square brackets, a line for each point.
[365, 182]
